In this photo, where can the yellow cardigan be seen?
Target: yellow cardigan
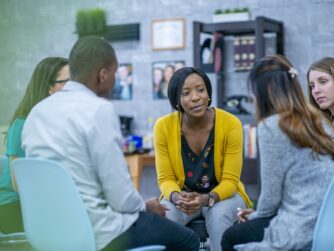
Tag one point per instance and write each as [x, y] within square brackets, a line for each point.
[227, 155]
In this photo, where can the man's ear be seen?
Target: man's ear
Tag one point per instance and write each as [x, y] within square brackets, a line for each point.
[103, 75]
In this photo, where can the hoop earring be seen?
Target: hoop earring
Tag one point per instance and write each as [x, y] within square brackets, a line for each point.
[209, 99]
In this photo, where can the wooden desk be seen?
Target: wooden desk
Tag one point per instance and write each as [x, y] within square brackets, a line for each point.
[136, 162]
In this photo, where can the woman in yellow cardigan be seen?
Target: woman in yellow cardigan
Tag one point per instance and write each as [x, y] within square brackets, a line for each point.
[198, 152]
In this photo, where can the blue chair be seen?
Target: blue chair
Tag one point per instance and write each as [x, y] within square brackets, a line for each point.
[14, 242]
[239, 246]
[323, 233]
[148, 248]
[54, 215]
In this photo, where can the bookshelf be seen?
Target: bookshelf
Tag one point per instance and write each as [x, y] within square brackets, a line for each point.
[258, 27]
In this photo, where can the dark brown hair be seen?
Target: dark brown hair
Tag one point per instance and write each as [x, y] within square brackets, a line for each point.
[278, 91]
[43, 77]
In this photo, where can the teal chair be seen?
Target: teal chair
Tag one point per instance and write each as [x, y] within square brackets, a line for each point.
[14, 241]
[323, 233]
[239, 246]
[149, 248]
[54, 215]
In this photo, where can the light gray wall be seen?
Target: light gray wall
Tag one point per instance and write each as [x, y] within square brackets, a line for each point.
[34, 29]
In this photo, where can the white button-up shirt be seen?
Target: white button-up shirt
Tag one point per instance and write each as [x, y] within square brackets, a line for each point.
[82, 132]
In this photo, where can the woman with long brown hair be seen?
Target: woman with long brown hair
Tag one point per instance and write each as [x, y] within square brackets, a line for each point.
[296, 153]
[48, 77]
[320, 78]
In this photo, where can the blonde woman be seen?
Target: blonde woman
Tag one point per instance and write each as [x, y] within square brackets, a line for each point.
[296, 156]
[320, 77]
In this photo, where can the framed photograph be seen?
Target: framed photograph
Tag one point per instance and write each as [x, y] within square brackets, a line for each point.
[123, 83]
[162, 72]
[168, 34]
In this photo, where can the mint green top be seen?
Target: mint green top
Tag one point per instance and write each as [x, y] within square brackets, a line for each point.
[13, 148]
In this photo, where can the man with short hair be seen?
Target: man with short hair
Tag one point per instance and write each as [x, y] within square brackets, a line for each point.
[81, 131]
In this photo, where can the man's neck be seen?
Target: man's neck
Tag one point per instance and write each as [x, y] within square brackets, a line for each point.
[89, 84]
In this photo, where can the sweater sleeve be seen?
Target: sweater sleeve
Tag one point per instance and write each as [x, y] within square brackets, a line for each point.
[273, 144]
[167, 179]
[232, 162]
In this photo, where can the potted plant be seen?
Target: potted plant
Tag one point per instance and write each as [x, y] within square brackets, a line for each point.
[91, 22]
[231, 15]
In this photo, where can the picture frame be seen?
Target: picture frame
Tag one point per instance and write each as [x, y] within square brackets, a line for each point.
[162, 72]
[168, 34]
[123, 83]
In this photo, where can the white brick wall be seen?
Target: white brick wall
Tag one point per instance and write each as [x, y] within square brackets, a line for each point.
[32, 30]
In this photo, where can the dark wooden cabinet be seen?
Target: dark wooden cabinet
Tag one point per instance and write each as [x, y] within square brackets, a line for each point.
[257, 27]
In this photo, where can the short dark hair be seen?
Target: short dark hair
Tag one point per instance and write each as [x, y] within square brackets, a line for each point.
[88, 55]
[177, 81]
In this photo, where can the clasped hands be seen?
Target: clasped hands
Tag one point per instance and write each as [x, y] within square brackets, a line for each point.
[189, 202]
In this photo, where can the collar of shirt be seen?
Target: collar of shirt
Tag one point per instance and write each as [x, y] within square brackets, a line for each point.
[76, 86]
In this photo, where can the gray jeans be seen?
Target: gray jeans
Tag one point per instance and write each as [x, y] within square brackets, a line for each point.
[218, 218]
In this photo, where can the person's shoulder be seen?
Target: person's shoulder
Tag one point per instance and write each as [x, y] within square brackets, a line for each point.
[103, 105]
[269, 128]
[16, 126]
[223, 115]
[18, 122]
[167, 120]
[42, 105]
[270, 123]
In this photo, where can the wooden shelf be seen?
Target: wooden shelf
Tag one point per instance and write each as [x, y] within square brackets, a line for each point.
[258, 27]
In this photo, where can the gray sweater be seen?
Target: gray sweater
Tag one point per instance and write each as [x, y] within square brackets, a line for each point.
[293, 188]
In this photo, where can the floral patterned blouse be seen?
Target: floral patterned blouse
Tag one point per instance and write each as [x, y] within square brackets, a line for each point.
[199, 169]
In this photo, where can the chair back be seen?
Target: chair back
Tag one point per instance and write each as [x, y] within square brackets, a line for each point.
[13, 240]
[54, 215]
[149, 248]
[323, 236]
